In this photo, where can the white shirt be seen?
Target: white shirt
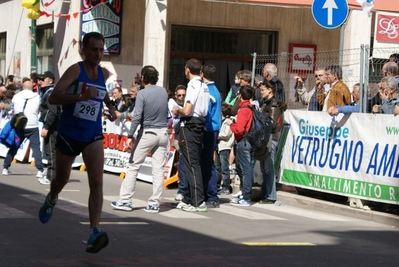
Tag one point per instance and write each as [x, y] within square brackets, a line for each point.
[327, 90]
[32, 106]
[197, 94]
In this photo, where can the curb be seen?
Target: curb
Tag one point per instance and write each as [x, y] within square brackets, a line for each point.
[337, 209]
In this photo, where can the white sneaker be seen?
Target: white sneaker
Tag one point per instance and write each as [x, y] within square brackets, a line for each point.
[237, 195]
[179, 197]
[200, 208]
[39, 174]
[43, 180]
[126, 206]
[6, 172]
[181, 205]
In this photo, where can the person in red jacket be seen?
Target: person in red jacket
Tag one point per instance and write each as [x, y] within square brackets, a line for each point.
[244, 155]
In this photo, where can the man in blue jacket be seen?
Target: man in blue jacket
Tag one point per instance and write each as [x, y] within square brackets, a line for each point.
[213, 122]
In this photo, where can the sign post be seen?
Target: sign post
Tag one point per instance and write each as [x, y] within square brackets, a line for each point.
[330, 14]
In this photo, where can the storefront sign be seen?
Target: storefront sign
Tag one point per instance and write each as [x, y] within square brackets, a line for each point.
[105, 18]
[387, 29]
[302, 58]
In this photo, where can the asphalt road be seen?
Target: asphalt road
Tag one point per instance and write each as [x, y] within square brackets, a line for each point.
[260, 235]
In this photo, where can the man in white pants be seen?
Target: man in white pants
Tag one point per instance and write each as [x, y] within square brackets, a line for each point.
[150, 112]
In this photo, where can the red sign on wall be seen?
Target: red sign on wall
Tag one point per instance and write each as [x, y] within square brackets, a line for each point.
[387, 29]
[302, 58]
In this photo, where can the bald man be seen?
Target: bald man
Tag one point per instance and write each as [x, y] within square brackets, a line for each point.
[391, 69]
[27, 102]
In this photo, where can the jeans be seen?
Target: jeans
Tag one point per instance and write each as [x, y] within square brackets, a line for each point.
[208, 168]
[268, 189]
[34, 142]
[222, 168]
[238, 167]
[244, 157]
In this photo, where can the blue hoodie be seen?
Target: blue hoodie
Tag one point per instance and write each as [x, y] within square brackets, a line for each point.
[213, 120]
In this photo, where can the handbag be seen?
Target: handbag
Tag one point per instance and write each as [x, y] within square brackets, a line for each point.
[20, 120]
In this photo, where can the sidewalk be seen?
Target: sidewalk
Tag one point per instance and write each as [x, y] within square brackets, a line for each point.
[329, 203]
[289, 196]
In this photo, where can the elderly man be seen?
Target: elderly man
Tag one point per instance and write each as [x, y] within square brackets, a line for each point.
[270, 73]
[310, 97]
[27, 102]
[391, 69]
[389, 95]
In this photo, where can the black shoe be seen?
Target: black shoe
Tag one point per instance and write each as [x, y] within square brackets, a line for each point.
[266, 201]
[212, 204]
[256, 199]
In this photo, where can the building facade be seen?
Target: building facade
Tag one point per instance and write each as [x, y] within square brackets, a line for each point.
[165, 33]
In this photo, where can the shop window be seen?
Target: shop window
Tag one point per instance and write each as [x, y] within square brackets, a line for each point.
[230, 50]
[44, 47]
[222, 41]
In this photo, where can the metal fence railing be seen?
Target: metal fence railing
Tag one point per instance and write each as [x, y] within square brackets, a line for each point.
[362, 65]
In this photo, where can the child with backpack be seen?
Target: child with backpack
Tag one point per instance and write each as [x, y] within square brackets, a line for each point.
[244, 153]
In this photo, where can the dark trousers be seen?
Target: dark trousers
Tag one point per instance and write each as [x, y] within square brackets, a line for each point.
[208, 168]
[183, 187]
[190, 150]
[34, 142]
[49, 152]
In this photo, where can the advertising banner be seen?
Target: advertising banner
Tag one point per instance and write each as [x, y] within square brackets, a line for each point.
[116, 159]
[105, 18]
[354, 155]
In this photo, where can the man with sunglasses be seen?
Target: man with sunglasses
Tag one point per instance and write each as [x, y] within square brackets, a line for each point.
[180, 93]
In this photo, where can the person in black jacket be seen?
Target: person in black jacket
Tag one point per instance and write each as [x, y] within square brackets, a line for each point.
[274, 108]
[49, 115]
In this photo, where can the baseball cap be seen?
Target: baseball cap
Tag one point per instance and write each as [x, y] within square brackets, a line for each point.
[48, 74]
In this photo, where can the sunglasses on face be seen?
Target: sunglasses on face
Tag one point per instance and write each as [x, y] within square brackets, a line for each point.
[181, 95]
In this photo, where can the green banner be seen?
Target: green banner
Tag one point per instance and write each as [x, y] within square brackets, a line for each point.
[341, 186]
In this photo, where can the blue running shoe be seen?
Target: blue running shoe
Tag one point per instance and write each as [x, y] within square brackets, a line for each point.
[97, 241]
[240, 202]
[46, 211]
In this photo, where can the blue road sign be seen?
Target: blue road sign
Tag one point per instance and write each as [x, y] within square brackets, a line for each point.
[330, 14]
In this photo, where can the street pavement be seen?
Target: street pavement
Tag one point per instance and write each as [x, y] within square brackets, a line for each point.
[304, 231]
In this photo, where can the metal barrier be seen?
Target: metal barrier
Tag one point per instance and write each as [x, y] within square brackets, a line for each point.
[362, 65]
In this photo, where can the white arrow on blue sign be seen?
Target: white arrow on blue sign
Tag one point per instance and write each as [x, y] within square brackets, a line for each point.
[330, 14]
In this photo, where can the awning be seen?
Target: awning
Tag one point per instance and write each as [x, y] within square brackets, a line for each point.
[379, 5]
